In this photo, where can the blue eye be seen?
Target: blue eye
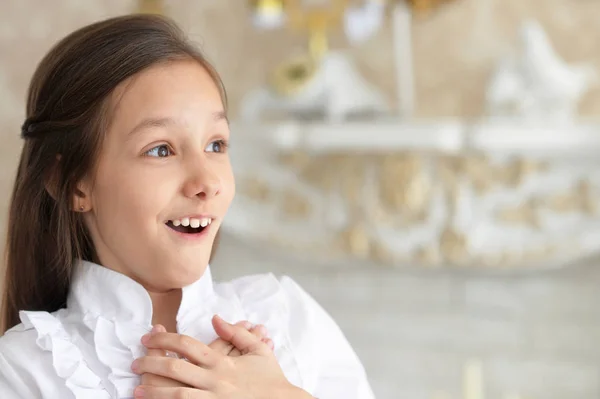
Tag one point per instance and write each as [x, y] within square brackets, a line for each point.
[160, 151]
[217, 146]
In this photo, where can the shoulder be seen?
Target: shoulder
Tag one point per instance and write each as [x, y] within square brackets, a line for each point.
[19, 344]
[19, 376]
[267, 292]
[25, 339]
[59, 367]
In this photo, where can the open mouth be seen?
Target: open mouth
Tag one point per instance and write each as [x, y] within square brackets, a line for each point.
[189, 225]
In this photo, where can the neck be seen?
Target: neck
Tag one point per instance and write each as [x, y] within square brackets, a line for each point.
[165, 306]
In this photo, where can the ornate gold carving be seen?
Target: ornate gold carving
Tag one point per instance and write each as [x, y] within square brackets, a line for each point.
[403, 188]
[513, 174]
[352, 182]
[524, 214]
[453, 246]
[321, 172]
[478, 169]
[355, 241]
[579, 200]
[380, 253]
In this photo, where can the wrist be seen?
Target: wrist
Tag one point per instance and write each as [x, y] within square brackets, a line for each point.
[290, 391]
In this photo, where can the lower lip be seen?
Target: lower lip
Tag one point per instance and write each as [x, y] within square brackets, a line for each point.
[190, 237]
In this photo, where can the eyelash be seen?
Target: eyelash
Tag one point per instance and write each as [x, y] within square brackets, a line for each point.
[223, 143]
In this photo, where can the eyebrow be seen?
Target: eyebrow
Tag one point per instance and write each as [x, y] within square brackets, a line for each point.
[166, 122]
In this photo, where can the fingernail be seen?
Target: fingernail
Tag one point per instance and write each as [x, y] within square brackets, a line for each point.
[135, 366]
[138, 392]
[263, 330]
[247, 325]
[269, 343]
[155, 329]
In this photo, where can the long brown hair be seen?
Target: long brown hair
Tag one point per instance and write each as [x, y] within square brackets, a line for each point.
[68, 109]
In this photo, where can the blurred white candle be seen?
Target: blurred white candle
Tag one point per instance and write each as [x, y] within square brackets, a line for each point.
[473, 380]
[403, 58]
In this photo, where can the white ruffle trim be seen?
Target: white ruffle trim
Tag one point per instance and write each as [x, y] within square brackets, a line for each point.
[67, 359]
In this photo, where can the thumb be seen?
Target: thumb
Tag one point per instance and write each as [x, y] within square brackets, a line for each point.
[240, 337]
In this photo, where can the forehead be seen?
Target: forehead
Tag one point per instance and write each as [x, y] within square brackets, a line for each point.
[178, 89]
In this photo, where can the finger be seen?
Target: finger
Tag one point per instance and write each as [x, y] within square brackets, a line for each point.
[175, 369]
[160, 381]
[149, 392]
[160, 352]
[157, 380]
[241, 338]
[258, 331]
[224, 347]
[269, 343]
[185, 346]
[156, 352]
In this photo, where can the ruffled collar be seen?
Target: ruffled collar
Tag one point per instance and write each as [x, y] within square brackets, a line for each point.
[95, 339]
[98, 290]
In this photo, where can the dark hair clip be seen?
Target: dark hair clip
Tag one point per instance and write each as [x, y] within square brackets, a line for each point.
[27, 129]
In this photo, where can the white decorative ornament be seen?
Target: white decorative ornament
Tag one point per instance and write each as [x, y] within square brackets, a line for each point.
[362, 22]
[537, 84]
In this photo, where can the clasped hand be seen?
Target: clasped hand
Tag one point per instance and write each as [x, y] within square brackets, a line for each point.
[239, 364]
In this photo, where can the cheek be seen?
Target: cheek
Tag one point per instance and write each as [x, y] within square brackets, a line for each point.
[129, 198]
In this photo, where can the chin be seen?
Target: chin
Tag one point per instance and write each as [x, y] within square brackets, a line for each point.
[182, 274]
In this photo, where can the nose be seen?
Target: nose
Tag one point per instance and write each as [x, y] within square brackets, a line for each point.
[202, 182]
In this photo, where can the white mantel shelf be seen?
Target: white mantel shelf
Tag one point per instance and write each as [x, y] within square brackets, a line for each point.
[549, 139]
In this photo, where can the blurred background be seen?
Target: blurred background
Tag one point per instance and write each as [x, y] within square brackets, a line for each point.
[426, 169]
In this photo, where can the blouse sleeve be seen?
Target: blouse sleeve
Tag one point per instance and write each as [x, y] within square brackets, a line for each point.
[16, 382]
[10, 382]
[314, 332]
[37, 361]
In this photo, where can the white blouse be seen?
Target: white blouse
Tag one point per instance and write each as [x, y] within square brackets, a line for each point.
[85, 351]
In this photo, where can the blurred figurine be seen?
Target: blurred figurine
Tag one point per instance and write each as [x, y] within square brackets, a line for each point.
[537, 84]
[331, 88]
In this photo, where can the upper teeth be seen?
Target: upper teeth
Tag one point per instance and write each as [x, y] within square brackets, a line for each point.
[192, 222]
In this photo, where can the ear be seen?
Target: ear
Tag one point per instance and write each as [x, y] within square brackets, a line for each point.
[81, 199]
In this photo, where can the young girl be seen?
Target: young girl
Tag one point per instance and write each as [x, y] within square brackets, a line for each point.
[123, 183]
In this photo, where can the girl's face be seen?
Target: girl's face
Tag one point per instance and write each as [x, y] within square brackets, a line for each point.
[163, 173]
